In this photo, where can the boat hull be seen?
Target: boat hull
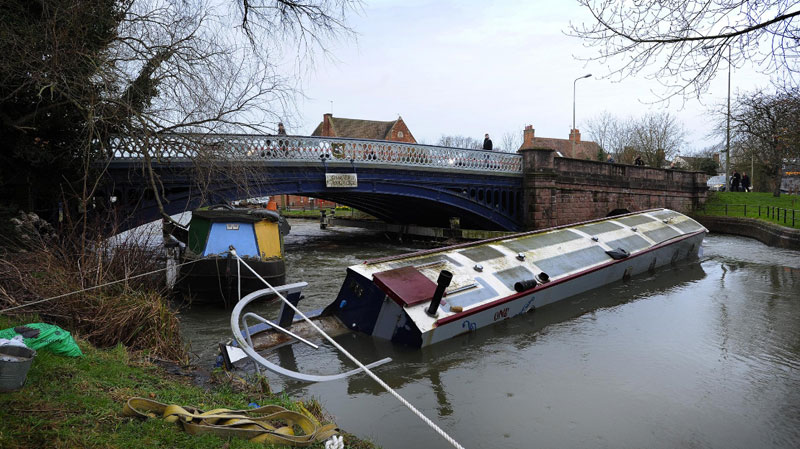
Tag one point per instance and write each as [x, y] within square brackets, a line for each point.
[562, 289]
[214, 280]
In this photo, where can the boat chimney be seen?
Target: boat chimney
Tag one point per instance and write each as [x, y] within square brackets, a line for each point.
[441, 284]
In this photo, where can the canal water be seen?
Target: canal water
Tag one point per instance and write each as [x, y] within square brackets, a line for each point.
[704, 354]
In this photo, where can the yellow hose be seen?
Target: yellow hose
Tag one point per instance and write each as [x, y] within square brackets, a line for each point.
[256, 425]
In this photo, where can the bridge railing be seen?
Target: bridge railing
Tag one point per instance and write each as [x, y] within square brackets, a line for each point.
[253, 148]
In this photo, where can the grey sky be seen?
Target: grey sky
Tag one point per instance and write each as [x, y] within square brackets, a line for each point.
[472, 67]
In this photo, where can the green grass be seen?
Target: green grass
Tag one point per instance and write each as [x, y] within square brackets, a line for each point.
[341, 212]
[313, 213]
[76, 403]
[746, 204]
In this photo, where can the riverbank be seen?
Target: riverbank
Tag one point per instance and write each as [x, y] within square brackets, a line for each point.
[765, 232]
[77, 402]
[759, 215]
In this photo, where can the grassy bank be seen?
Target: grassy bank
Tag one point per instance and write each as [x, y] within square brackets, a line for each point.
[758, 205]
[341, 212]
[76, 403]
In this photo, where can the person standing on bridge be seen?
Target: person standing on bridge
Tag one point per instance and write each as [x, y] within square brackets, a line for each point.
[487, 143]
[282, 143]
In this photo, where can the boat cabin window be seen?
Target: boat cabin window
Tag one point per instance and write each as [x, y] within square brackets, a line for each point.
[541, 240]
[662, 233]
[481, 253]
[513, 275]
[635, 220]
[687, 225]
[568, 262]
[599, 228]
[630, 244]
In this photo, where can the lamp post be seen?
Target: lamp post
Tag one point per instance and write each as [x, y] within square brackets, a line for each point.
[728, 129]
[728, 125]
[573, 111]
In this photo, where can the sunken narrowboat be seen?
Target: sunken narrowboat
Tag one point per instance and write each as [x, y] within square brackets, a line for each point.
[430, 296]
[209, 274]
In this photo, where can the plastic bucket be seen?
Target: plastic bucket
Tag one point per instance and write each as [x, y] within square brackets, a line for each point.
[15, 361]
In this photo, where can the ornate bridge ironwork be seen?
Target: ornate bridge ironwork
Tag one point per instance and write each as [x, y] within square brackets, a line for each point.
[242, 147]
[397, 182]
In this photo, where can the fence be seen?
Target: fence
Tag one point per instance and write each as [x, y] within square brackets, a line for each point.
[253, 148]
[779, 215]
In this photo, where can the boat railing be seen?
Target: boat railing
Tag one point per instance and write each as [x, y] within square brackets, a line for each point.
[242, 332]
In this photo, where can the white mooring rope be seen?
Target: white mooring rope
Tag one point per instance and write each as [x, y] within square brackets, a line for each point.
[380, 382]
[127, 278]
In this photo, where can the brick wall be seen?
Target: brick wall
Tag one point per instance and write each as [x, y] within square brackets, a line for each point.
[400, 133]
[561, 191]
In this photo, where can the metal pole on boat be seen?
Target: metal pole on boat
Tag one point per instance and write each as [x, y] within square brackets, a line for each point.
[441, 284]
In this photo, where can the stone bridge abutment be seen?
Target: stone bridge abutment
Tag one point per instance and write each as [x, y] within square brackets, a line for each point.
[559, 191]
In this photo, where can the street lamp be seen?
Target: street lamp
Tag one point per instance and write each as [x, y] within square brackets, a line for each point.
[573, 110]
[728, 128]
[728, 125]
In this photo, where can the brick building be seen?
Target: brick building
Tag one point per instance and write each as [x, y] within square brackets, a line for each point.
[583, 149]
[395, 130]
[295, 202]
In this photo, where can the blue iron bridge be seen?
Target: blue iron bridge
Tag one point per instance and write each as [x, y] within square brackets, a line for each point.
[396, 182]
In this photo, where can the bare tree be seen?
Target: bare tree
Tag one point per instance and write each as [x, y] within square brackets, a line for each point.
[613, 134]
[511, 142]
[681, 44]
[765, 126]
[75, 73]
[460, 142]
[655, 136]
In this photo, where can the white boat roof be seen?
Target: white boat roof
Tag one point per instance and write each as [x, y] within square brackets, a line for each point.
[560, 252]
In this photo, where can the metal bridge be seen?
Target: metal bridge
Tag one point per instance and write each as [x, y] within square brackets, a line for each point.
[393, 181]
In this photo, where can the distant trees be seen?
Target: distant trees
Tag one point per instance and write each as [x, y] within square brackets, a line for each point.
[766, 127]
[511, 142]
[704, 160]
[681, 44]
[458, 141]
[656, 137]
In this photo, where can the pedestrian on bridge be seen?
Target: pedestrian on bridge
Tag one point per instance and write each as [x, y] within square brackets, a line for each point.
[282, 144]
[487, 143]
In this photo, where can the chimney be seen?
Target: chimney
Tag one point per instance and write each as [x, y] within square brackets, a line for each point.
[716, 158]
[575, 135]
[527, 138]
[327, 127]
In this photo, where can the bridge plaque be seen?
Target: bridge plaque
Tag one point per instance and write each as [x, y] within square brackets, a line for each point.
[341, 180]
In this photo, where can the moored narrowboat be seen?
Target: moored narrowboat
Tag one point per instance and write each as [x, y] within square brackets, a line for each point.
[209, 274]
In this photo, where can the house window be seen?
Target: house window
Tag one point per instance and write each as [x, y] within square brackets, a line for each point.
[399, 133]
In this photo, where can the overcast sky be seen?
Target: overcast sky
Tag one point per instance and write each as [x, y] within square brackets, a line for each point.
[474, 67]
